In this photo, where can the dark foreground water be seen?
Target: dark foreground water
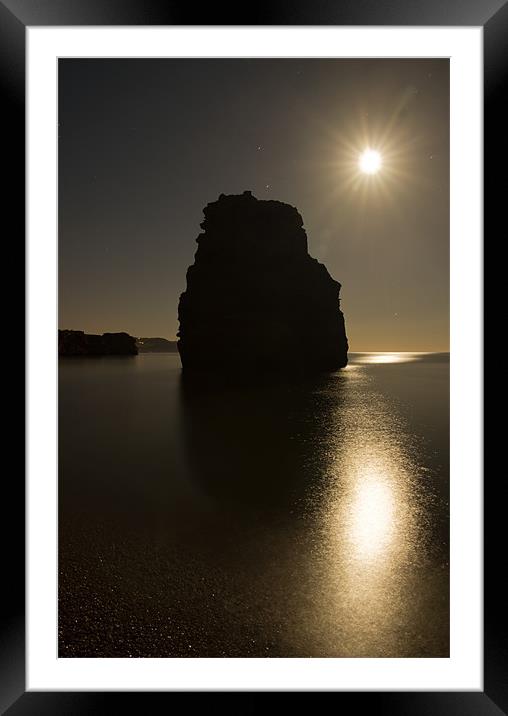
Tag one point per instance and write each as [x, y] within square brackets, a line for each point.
[273, 521]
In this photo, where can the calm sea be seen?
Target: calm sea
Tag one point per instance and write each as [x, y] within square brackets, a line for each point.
[277, 521]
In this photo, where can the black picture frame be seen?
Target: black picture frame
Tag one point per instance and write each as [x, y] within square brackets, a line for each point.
[15, 17]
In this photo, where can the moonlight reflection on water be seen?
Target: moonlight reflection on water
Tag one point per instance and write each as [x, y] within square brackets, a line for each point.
[376, 514]
[389, 357]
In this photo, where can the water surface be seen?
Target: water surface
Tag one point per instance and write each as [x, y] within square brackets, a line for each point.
[283, 520]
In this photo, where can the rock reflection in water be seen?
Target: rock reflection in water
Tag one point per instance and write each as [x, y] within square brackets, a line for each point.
[255, 447]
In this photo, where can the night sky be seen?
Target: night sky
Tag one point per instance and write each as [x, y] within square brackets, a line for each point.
[144, 145]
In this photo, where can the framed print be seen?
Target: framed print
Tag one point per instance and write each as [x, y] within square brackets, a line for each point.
[254, 322]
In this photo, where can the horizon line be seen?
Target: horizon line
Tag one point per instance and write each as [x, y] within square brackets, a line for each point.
[175, 340]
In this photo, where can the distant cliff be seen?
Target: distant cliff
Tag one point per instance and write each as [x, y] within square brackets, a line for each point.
[156, 345]
[255, 300]
[79, 343]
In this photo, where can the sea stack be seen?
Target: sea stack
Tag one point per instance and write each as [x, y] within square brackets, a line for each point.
[255, 299]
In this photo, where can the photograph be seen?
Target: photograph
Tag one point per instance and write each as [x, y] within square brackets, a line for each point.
[253, 357]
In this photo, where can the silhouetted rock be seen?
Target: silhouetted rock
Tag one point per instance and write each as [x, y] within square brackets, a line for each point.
[78, 343]
[255, 300]
[156, 345]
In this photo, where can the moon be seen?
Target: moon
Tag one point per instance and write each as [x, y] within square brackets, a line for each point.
[370, 161]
